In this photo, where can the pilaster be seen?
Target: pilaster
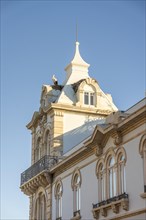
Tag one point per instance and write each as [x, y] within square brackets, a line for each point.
[49, 202]
[57, 133]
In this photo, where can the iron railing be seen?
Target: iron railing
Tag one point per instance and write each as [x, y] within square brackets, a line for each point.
[45, 163]
[108, 201]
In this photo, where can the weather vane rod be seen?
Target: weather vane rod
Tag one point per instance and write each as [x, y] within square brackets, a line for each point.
[76, 32]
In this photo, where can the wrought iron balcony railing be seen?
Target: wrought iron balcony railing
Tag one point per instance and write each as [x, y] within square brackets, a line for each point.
[45, 163]
[108, 201]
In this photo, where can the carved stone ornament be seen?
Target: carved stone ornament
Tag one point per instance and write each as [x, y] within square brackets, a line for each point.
[125, 204]
[118, 139]
[98, 150]
[42, 123]
[103, 212]
[115, 208]
[96, 214]
[48, 177]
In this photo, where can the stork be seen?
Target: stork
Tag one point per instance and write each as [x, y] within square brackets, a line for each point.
[55, 81]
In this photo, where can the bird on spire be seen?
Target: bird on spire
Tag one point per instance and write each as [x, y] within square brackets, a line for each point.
[54, 79]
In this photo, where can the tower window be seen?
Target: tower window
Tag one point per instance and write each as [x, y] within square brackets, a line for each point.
[88, 98]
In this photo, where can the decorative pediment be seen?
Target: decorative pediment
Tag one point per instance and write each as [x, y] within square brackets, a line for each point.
[101, 136]
[33, 120]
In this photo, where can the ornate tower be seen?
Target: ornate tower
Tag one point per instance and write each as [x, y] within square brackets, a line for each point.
[56, 129]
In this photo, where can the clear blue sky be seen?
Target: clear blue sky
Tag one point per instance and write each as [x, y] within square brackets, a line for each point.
[38, 40]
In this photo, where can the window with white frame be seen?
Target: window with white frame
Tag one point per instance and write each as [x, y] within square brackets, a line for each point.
[121, 174]
[58, 196]
[142, 150]
[144, 165]
[76, 192]
[111, 177]
[76, 187]
[89, 95]
[110, 171]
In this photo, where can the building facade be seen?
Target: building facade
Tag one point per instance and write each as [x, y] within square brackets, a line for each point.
[88, 158]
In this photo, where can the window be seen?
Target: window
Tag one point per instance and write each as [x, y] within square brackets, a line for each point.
[89, 98]
[89, 95]
[111, 178]
[76, 185]
[144, 165]
[40, 207]
[76, 193]
[121, 174]
[101, 182]
[110, 171]
[142, 151]
[58, 196]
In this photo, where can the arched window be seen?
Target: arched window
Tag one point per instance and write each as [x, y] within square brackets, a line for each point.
[111, 177]
[40, 207]
[89, 95]
[76, 185]
[142, 151]
[121, 174]
[101, 182]
[58, 196]
[144, 165]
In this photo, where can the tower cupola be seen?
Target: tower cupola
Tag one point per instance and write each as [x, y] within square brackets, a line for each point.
[78, 68]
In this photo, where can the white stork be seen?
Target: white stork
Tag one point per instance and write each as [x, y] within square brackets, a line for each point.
[55, 81]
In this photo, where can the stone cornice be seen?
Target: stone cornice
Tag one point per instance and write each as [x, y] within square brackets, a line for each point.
[78, 109]
[70, 108]
[34, 119]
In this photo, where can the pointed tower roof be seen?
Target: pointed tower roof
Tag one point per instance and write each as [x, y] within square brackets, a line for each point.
[78, 60]
[77, 69]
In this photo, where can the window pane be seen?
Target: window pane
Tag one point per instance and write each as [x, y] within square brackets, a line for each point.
[91, 98]
[110, 184]
[86, 98]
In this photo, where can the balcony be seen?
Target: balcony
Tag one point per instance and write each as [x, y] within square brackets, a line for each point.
[45, 163]
[38, 174]
[111, 203]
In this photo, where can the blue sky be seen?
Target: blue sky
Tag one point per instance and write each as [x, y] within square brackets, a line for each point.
[38, 40]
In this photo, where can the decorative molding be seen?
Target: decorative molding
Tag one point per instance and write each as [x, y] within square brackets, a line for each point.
[98, 150]
[115, 208]
[118, 139]
[58, 182]
[128, 214]
[76, 172]
[142, 144]
[103, 212]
